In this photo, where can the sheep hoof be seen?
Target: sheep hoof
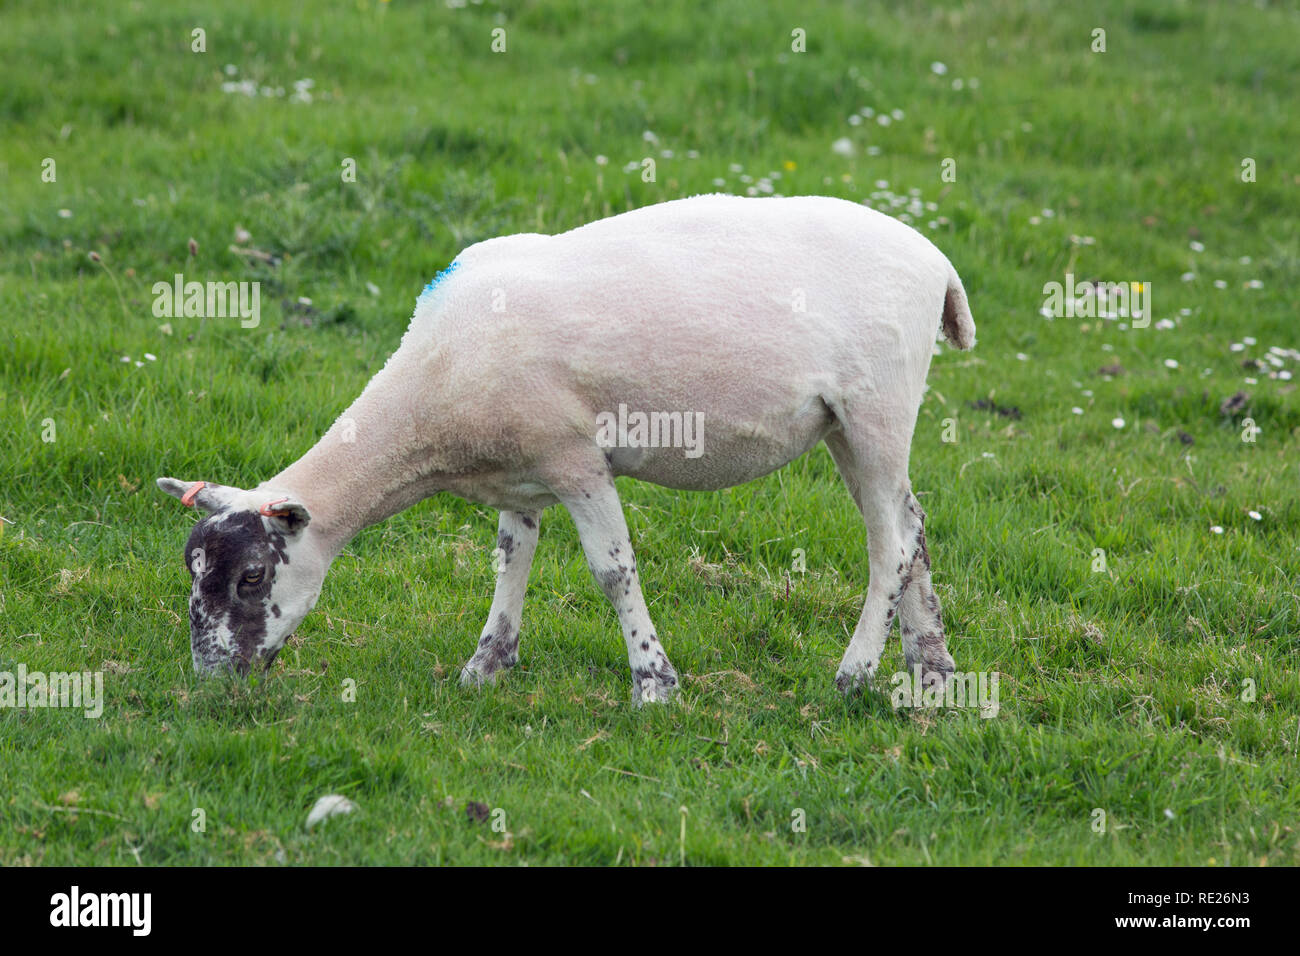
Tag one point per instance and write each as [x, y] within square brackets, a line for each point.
[850, 682]
[473, 677]
[934, 672]
[655, 686]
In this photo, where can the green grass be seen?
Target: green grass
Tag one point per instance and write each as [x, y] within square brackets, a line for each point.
[1120, 691]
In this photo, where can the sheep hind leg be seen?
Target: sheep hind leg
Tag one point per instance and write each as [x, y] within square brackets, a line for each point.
[878, 484]
[919, 616]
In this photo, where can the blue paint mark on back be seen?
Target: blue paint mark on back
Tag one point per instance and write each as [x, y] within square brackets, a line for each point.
[438, 280]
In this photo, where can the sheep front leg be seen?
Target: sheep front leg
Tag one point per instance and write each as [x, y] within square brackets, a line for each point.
[499, 645]
[598, 515]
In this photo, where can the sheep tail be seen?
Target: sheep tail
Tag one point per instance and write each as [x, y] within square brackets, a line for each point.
[958, 324]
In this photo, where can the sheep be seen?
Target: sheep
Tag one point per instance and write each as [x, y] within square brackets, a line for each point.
[769, 324]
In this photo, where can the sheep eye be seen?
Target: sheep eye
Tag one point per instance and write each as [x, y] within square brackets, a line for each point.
[252, 577]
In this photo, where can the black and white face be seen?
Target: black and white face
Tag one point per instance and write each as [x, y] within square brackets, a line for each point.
[254, 575]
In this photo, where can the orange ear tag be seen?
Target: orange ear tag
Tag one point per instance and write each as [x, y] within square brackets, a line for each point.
[187, 499]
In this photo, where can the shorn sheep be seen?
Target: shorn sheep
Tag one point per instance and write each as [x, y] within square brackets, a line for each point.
[528, 373]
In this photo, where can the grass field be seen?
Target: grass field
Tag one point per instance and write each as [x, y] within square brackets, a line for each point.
[1160, 689]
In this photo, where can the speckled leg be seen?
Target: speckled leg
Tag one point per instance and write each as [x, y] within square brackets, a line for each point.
[593, 503]
[879, 486]
[499, 646]
[919, 616]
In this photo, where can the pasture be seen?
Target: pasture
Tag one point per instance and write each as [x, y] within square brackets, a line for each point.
[1114, 511]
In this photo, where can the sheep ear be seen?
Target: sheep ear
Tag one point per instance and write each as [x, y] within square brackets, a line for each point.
[199, 494]
[285, 514]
